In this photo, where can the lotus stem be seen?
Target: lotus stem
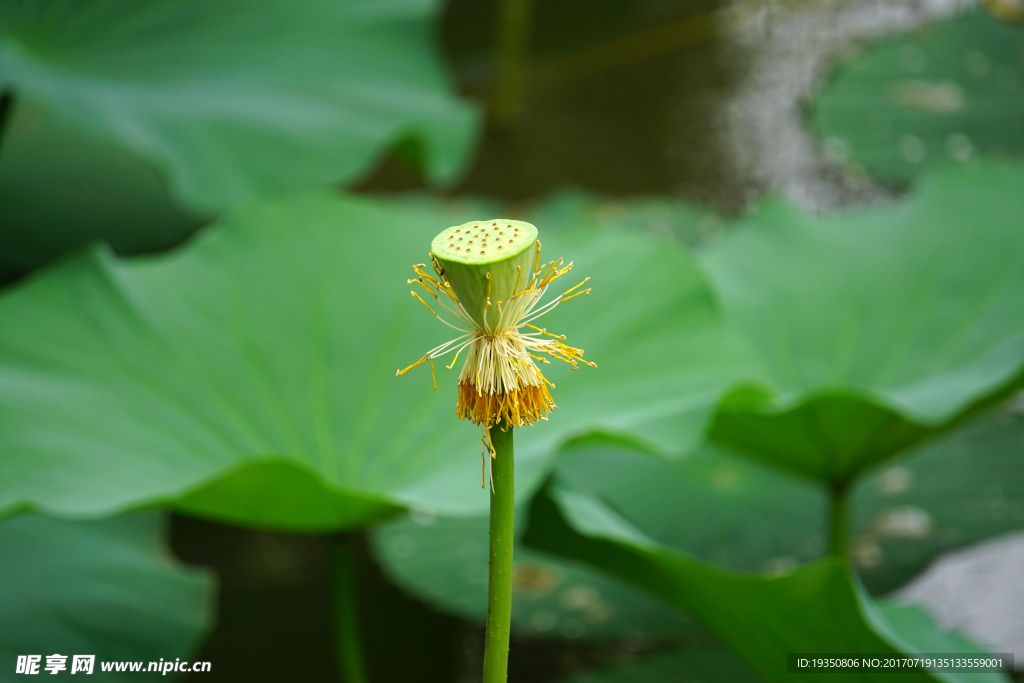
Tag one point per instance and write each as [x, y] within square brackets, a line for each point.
[839, 520]
[350, 647]
[6, 110]
[510, 78]
[499, 580]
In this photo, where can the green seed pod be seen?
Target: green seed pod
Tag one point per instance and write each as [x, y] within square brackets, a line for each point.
[501, 247]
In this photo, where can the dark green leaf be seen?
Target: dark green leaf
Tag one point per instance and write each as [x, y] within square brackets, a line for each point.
[721, 508]
[710, 665]
[444, 561]
[234, 101]
[61, 189]
[718, 506]
[963, 487]
[818, 608]
[105, 588]
[960, 489]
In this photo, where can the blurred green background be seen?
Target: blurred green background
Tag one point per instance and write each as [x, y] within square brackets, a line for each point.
[804, 223]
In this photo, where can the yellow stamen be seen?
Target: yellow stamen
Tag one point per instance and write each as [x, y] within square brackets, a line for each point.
[500, 381]
[585, 291]
[424, 303]
[425, 286]
[525, 291]
[585, 281]
[421, 361]
[545, 332]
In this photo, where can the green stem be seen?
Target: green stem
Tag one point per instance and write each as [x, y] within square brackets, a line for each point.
[839, 520]
[350, 649]
[510, 79]
[499, 580]
[6, 110]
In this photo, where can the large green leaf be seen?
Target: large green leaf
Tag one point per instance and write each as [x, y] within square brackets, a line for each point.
[61, 189]
[104, 588]
[444, 560]
[962, 487]
[715, 664]
[941, 95]
[719, 506]
[250, 375]
[233, 101]
[730, 510]
[722, 507]
[818, 608]
[878, 327]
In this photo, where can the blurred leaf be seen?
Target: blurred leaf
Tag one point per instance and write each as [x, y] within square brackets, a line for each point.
[735, 512]
[62, 189]
[250, 375]
[818, 608]
[444, 561]
[720, 507]
[234, 101]
[943, 94]
[106, 588]
[916, 628]
[687, 224]
[710, 665]
[963, 488]
[878, 327]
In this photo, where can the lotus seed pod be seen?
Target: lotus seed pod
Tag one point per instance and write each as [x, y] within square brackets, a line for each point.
[487, 277]
[501, 247]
